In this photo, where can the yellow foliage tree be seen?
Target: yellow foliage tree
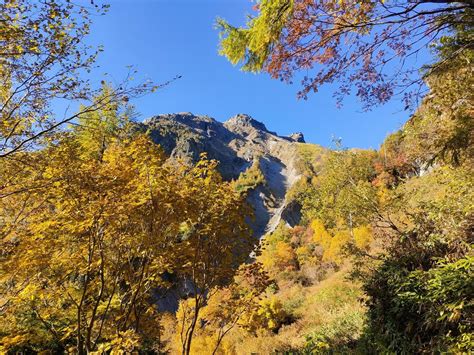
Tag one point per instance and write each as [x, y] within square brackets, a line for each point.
[363, 237]
[270, 315]
[334, 252]
[320, 235]
[277, 252]
[225, 309]
[214, 239]
[90, 254]
[80, 268]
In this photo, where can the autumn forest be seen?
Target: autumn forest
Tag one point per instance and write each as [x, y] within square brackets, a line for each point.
[182, 234]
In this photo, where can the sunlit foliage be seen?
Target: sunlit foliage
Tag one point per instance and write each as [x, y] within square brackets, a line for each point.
[363, 46]
[106, 217]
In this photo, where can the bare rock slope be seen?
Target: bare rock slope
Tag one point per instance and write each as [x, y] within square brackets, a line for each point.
[237, 144]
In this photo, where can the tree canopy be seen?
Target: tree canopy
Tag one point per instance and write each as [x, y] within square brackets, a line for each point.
[368, 47]
[90, 231]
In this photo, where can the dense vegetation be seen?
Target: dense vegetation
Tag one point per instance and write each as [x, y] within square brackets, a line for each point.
[92, 228]
[97, 226]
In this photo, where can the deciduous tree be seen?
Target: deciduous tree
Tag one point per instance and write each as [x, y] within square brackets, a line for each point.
[44, 61]
[366, 45]
[108, 219]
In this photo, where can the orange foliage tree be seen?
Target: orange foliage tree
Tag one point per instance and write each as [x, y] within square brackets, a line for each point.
[357, 43]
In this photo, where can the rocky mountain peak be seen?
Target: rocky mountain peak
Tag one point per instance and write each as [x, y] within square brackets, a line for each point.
[187, 119]
[243, 123]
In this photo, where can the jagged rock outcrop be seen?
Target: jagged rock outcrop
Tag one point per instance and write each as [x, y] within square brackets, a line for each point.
[236, 144]
[297, 137]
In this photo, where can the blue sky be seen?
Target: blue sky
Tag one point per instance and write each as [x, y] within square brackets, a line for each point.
[165, 38]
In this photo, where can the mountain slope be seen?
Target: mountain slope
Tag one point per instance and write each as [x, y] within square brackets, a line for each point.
[238, 144]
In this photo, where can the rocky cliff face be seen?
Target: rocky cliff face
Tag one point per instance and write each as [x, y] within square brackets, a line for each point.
[237, 144]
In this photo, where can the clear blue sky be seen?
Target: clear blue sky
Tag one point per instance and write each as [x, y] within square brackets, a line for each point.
[165, 38]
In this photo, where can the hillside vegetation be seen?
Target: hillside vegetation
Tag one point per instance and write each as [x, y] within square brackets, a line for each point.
[381, 261]
[119, 237]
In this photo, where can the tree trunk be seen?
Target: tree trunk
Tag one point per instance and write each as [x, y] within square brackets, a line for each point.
[190, 332]
[80, 341]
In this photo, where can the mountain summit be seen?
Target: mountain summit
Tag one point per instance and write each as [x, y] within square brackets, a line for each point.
[237, 144]
[245, 124]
